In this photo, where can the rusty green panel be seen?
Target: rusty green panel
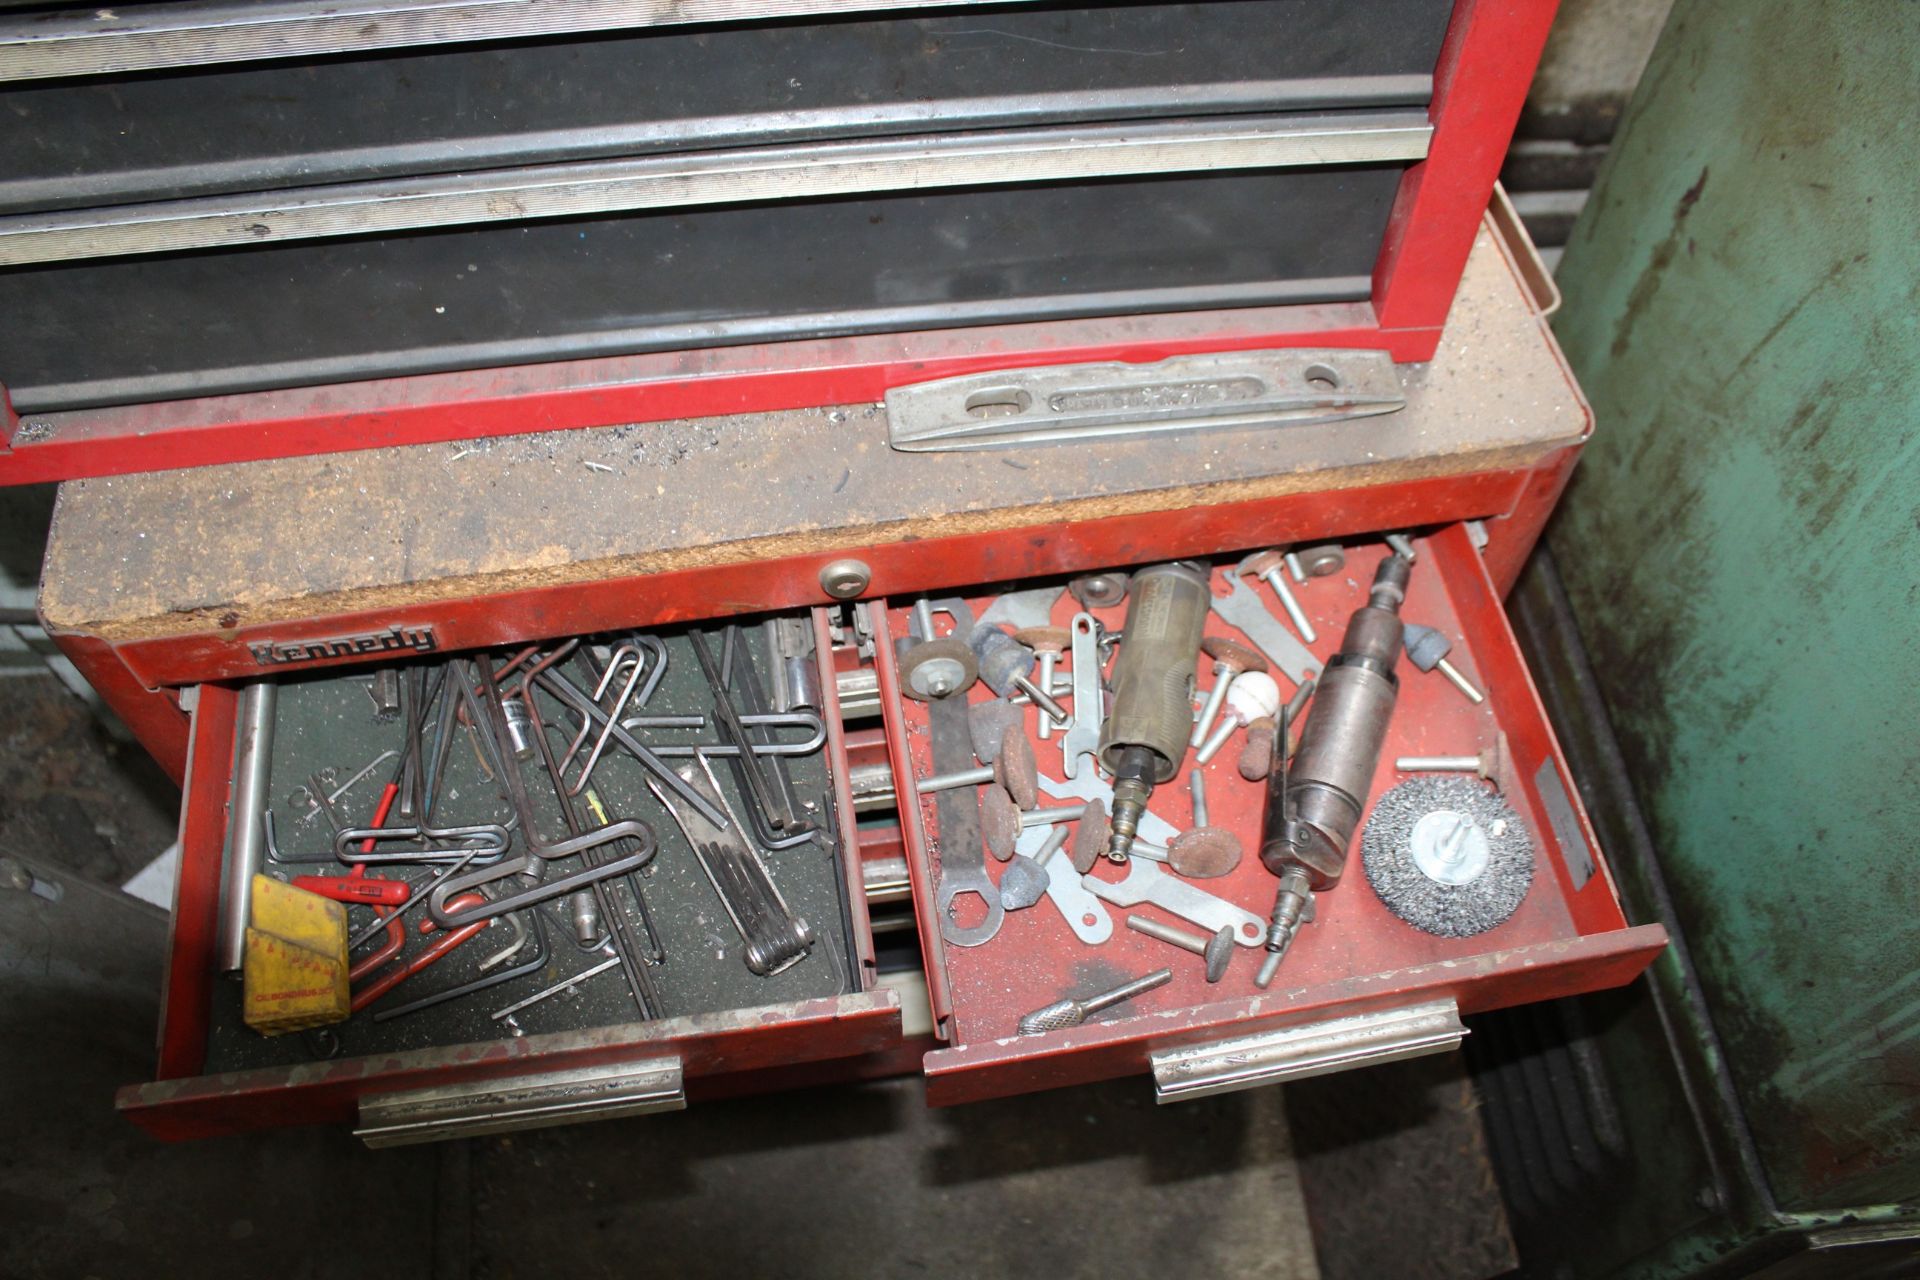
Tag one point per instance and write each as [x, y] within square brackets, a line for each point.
[1742, 548]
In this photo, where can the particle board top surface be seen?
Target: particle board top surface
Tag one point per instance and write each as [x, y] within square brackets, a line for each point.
[135, 557]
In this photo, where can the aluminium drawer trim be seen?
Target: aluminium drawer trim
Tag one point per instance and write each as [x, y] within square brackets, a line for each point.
[724, 177]
[39, 46]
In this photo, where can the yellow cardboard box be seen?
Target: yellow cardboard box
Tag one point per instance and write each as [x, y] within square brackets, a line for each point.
[294, 975]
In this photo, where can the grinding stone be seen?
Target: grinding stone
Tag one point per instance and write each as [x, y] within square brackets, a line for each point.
[1204, 852]
[999, 821]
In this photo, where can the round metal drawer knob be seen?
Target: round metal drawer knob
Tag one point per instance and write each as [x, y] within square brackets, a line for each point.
[845, 579]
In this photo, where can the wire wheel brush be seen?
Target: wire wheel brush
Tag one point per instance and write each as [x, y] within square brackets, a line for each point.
[1448, 856]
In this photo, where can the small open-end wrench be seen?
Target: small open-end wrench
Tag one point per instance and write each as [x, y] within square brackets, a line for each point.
[1082, 738]
[1147, 882]
[963, 858]
[1153, 884]
[1077, 906]
[1241, 608]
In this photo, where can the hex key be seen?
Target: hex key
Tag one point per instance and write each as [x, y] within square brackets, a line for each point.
[487, 982]
[619, 707]
[645, 994]
[565, 690]
[809, 720]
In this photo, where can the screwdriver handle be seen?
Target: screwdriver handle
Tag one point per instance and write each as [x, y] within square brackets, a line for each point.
[386, 893]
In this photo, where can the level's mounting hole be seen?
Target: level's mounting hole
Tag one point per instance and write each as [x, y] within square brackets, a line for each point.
[1249, 928]
[1089, 919]
[1322, 378]
[998, 402]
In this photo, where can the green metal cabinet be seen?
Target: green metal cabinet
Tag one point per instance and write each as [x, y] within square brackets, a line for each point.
[1740, 551]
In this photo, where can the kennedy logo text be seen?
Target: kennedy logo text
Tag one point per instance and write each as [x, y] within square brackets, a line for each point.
[393, 640]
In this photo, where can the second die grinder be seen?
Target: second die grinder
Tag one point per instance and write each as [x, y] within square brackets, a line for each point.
[1314, 805]
[1145, 735]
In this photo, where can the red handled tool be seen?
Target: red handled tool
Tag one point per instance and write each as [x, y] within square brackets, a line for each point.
[363, 889]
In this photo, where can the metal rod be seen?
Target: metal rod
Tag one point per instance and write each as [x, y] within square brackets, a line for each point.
[246, 835]
[555, 989]
[1210, 709]
[1460, 682]
[947, 781]
[1046, 817]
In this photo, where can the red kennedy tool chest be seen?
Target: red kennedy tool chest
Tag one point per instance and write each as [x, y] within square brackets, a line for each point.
[167, 587]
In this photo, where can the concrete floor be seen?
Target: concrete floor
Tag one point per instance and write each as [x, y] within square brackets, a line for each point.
[826, 1182]
[867, 1180]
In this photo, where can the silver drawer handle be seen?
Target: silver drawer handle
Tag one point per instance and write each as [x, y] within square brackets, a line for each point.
[1316, 1049]
[521, 1102]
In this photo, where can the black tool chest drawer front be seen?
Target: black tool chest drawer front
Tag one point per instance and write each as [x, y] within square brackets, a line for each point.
[476, 206]
[457, 108]
[674, 279]
[526, 987]
[1014, 949]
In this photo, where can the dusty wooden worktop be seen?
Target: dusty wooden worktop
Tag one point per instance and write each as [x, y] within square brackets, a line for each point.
[138, 557]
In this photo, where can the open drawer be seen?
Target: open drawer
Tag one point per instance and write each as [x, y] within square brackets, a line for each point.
[1359, 985]
[492, 1060]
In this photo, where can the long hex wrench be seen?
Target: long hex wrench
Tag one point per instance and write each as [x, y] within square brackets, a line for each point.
[645, 995]
[487, 979]
[416, 694]
[736, 657]
[830, 839]
[533, 964]
[623, 655]
[576, 697]
[379, 921]
[563, 985]
[481, 694]
[339, 790]
[765, 810]
[392, 977]
[809, 720]
[656, 950]
[492, 839]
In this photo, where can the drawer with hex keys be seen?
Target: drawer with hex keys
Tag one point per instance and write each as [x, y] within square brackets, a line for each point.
[469, 893]
[1234, 822]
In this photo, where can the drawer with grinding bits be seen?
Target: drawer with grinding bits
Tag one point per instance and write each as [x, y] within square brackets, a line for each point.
[468, 893]
[1290, 811]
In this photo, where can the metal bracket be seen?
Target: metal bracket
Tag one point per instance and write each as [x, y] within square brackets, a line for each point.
[521, 1102]
[1295, 1053]
[1241, 608]
[1066, 404]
